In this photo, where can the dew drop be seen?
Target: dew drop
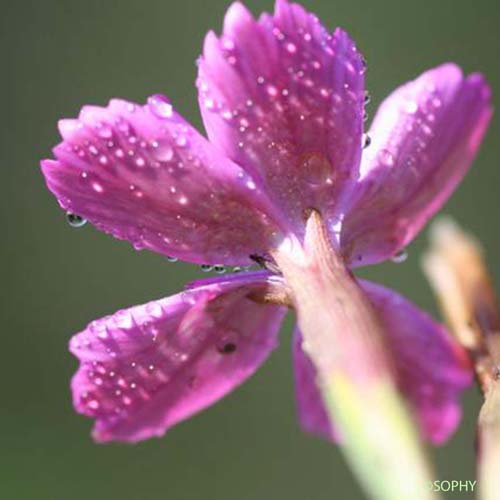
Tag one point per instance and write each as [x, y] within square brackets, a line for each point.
[272, 90]
[172, 259]
[317, 169]
[363, 65]
[104, 131]
[209, 103]
[163, 153]
[386, 158]
[160, 106]
[367, 140]
[75, 220]
[219, 269]
[411, 107]
[206, 268]
[181, 141]
[93, 404]
[400, 256]
[97, 187]
[367, 97]
[436, 102]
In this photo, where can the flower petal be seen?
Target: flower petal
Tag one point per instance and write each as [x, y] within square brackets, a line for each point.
[146, 368]
[143, 174]
[310, 409]
[424, 138]
[431, 370]
[284, 99]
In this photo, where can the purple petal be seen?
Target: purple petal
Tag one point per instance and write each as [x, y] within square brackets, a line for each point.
[310, 409]
[146, 368]
[424, 138]
[431, 370]
[284, 99]
[143, 174]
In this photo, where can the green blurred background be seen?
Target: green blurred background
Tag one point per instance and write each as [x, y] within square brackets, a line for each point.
[59, 55]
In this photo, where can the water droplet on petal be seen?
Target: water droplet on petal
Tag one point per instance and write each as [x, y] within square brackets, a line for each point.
[97, 187]
[411, 107]
[172, 259]
[206, 268]
[436, 102]
[163, 152]
[367, 140]
[400, 256]
[93, 404]
[317, 169]
[104, 131]
[160, 106]
[181, 141]
[272, 90]
[386, 158]
[75, 220]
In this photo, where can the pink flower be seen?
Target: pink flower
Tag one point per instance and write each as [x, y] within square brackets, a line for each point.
[283, 103]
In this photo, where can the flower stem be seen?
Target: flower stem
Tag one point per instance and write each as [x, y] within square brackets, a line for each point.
[344, 340]
[455, 268]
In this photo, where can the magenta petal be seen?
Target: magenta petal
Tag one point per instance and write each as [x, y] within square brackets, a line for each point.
[424, 138]
[310, 409]
[431, 370]
[146, 368]
[284, 98]
[143, 174]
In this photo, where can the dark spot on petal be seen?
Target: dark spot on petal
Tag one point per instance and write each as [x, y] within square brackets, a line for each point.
[227, 348]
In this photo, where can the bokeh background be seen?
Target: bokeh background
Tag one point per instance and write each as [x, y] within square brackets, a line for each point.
[58, 55]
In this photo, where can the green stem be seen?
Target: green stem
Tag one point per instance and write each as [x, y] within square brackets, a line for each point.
[344, 339]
